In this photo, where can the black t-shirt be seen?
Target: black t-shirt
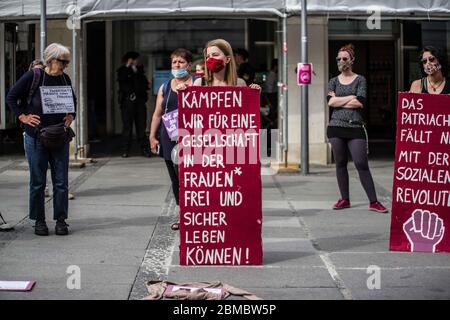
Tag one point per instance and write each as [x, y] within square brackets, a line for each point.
[132, 82]
[247, 73]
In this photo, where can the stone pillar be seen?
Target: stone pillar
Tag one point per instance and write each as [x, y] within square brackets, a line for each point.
[319, 149]
[318, 111]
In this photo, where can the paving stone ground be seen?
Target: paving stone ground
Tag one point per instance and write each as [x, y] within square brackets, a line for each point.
[120, 238]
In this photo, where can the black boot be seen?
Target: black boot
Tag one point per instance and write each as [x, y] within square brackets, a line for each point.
[61, 228]
[40, 228]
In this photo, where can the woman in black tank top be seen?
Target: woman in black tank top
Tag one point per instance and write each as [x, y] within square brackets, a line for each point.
[425, 89]
[434, 67]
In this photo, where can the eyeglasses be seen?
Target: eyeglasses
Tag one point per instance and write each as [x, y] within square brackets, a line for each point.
[343, 59]
[430, 59]
[64, 62]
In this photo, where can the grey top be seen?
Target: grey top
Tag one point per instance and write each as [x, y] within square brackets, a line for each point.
[340, 117]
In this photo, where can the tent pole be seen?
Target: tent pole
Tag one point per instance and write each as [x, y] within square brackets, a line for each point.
[43, 28]
[75, 82]
[284, 89]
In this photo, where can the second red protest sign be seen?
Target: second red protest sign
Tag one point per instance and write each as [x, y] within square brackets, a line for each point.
[421, 193]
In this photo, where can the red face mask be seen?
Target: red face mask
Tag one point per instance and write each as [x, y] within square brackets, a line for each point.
[200, 74]
[215, 65]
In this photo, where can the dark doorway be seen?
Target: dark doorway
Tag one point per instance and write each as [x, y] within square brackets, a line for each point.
[96, 80]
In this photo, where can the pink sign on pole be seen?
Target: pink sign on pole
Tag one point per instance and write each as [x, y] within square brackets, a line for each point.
[304, 73]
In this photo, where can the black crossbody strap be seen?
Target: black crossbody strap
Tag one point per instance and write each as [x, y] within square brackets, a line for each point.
[34, 84]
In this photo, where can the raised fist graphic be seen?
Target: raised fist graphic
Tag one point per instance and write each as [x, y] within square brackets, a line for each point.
[425, 230]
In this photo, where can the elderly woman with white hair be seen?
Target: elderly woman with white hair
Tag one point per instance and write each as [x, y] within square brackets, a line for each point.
[47, 133]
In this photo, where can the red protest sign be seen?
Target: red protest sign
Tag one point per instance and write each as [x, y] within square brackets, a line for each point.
[421, 194]
[220, 177]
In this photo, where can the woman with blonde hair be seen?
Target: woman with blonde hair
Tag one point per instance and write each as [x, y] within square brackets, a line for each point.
[220, 67]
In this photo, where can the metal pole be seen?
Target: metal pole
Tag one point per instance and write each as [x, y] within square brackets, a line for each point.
[75, 82]
[304, 99]
[82, 91]
[284, 90]
[43, 27]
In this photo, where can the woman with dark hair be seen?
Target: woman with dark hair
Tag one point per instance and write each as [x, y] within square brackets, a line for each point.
[166, 102]
[346, 130]
[434, 68]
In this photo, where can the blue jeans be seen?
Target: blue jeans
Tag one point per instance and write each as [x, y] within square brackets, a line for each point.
[38, 160]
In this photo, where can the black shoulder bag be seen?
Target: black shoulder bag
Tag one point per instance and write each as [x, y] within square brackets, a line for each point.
[55, 136]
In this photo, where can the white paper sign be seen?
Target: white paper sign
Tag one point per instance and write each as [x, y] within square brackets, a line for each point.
[57, 99]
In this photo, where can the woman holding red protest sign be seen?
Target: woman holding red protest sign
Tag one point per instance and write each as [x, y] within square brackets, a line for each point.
[167, 110]
[346, 130]
[220, 66]
[434, 68]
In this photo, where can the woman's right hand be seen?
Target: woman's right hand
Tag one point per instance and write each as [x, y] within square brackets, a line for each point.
[154, 144]
[30, 119]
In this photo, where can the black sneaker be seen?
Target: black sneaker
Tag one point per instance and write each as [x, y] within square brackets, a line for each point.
[40, 228]
[61, 228]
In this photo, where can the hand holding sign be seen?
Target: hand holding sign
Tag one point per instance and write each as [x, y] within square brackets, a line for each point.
[255, 86]
[424, 230]
[154, 144]
[181, 86]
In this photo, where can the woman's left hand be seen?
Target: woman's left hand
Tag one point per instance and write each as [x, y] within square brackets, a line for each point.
[181, 86]
[255, 86]
[68, 120]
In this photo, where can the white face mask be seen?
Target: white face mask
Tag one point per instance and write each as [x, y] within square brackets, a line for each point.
[432, 69]
[134, 68]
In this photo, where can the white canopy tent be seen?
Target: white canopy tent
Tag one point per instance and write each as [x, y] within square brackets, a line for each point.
[16, 9]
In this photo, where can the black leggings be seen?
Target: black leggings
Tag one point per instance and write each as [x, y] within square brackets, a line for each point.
[173, 173]
[358, 151]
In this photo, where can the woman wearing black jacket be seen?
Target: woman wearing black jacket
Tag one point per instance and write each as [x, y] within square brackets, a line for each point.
[33, 118]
